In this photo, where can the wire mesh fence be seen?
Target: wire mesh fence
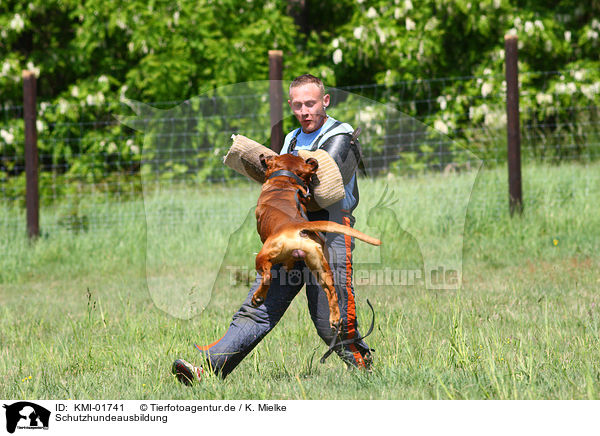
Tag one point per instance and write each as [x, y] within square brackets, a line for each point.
[96, 154]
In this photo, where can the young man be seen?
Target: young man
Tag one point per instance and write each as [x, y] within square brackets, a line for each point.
[250, 324]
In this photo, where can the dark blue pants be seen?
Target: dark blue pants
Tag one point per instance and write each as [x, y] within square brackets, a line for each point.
[251, 324]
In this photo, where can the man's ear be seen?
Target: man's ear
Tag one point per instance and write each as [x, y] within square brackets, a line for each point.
[313, 162]
[264, 160]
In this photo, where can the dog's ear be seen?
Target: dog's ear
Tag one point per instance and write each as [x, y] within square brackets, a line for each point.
[313, 163]
[264, 160]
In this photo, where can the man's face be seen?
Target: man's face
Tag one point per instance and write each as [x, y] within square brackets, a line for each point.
[309, 106]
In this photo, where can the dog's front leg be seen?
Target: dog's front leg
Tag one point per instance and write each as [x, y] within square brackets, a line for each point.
[263, 266]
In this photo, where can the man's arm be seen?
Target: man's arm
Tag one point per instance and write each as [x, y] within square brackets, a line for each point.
[344, 149]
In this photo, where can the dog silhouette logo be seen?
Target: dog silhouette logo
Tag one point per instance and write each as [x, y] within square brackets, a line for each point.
[26, 415]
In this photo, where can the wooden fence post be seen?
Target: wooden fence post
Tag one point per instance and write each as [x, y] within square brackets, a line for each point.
[32, 198]
[276, 98]
[513, 124]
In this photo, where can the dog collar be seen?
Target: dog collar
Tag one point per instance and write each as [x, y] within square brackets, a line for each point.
[287, 173]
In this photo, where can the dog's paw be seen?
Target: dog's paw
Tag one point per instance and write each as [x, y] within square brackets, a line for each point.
[336, 325]
[257, 301]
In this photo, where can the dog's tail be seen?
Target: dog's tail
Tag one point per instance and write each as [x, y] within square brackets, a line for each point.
[330, 226]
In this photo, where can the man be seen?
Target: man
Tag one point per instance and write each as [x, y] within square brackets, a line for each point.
[250, 324]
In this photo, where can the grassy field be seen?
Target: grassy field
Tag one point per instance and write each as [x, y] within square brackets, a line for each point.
[102, 313]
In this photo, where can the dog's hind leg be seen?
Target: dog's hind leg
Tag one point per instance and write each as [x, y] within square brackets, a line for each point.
[315, 260]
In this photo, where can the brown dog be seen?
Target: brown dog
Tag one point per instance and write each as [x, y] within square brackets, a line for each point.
[287, 235]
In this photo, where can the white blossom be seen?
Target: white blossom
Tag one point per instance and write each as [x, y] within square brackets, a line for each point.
[410, 24]
[75, 91]
[358, 31]
[568, 36]
[591, 91]
[408, 5]
[440, 126]
[421, 50]
[592, 34]
[529, 27]
[5, 69]
[103, 79]
[442, 102]
[579, 75]
[368, 114]
[17, 23]
[371, 13]
[31, 67]
[176, 18]
[7, 136]
[571, 87]
[132, 147]
[476, 112]
[495, 119]
[39, 125]
[122, 92]
[486, 89]
[381, 35]
[337, 56]
[539, 24]
[397, 13]
[112, 148]
[542, 98]
[63, 106]
[335, 43]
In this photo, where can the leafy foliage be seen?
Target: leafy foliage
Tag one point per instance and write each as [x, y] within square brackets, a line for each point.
[90, 54]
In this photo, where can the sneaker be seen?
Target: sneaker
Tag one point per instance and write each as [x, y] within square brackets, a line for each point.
[187, 373]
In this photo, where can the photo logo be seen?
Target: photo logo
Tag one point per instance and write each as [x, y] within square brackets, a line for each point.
[27, 416]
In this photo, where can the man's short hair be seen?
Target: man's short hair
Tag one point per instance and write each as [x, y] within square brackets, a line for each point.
[305, 79]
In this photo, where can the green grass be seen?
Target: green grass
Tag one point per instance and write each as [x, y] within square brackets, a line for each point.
[101, 313]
